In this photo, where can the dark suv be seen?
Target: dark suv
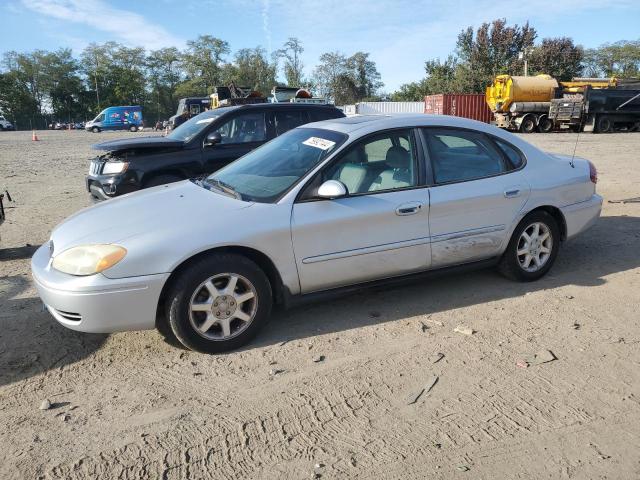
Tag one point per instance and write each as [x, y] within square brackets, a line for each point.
[199, 146]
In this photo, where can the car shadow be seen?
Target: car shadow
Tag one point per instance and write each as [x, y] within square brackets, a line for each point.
[610, 246]
[31, 342]
[18, 253]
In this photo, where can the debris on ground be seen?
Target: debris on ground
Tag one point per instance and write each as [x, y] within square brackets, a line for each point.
[415, 396]
[275, 371]
[436, 358]
[318, 359]
[626, 200]
[423, 327]
[318, 470]
[45, 405]
[575, 326]
[463, 468]
[543, 356]
[464, 330]
[435, 322]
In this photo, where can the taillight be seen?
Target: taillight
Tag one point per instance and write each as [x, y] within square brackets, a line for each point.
[593, 173]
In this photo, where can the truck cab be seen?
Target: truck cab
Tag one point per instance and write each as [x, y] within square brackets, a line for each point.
[189, 107]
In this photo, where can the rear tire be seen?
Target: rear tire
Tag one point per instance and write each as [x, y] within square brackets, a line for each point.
[604, 124]
[528, 125]
[528, 260]
[162, 180]
[219, 303]
[545, 125]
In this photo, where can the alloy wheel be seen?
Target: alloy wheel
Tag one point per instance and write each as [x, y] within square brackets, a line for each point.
[223, 306]
[534, 247]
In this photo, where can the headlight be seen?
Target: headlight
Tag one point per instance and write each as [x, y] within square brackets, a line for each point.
[115, 167]
[88, 259]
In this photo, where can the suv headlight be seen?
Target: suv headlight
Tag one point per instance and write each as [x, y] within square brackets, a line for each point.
[114, 167]
[88, 259]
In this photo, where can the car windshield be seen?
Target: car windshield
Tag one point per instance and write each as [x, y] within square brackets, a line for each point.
[197, 124]
[264, 174]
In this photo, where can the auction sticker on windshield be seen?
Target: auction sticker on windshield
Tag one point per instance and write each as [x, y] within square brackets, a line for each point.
[320, 143]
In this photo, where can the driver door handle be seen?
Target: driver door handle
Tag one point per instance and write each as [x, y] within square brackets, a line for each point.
[408, 208]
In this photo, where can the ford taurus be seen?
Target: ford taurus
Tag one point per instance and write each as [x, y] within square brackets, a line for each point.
[323, 208]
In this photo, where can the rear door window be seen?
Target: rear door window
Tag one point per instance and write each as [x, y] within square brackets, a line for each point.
[286, 120]
[461, 155]
[244, 128]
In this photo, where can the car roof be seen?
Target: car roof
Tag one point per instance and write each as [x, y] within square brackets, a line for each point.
[286, 105]
[370, 123]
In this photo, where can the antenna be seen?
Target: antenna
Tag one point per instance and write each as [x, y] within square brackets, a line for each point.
[575, 146]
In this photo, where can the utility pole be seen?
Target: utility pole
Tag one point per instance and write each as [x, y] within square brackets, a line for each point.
[96, 79]
[524, 55]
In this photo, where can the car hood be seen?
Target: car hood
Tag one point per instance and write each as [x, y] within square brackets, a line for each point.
[154, 210]
[138, 143]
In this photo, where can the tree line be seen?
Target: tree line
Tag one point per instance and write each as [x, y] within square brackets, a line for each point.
[41, 86]
[496, 48]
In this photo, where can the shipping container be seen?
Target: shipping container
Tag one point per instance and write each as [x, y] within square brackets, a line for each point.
[467, 105]
[368, 108]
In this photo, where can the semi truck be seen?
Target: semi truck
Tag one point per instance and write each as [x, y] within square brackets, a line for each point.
[598, 110]
[522, 103]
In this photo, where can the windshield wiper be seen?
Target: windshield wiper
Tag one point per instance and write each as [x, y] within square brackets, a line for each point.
[223, 187]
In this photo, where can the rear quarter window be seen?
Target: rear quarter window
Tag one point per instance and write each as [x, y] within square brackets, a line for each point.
[319, 114]
[515, 157]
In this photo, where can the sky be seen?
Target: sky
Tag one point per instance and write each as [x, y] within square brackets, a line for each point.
[399, 34]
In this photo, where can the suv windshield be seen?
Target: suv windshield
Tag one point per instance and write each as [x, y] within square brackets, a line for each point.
[264, 174]
[197, 124]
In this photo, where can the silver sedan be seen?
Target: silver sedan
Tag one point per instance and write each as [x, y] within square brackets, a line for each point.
[323, 208]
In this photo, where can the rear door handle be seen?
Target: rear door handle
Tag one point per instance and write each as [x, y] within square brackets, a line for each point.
[409, 208]
[512, 193]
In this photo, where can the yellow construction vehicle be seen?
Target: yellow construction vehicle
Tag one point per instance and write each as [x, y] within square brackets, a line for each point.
[522, 103]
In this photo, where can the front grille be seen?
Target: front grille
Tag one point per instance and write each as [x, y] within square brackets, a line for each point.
[95, 167]
[70, 316]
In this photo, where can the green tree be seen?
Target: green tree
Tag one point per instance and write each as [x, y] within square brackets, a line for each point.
[204, 59]
[558, 57]
[346, 80]
[291, 53]
[253, 69]
[619, 59]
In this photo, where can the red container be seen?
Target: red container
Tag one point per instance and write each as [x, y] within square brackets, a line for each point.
[467, 105]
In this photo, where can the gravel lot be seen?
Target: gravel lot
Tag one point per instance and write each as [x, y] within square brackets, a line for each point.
[131, 406]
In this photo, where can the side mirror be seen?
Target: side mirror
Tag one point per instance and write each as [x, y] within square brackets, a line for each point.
[212, 139]
[332, 189]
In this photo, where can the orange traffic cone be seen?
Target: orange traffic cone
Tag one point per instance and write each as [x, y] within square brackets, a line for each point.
[34, 137]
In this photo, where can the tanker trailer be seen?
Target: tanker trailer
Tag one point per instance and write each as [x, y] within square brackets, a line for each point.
[521, 103]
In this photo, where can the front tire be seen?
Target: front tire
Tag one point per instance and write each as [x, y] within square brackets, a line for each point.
[533, 248]
[219, 303]
[133, 128]
[95, 130]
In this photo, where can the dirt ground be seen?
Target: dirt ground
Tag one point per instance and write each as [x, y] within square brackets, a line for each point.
[131, 406]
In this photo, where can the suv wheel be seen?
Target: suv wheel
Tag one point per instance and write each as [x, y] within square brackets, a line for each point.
[219, 303]
[95, 129]
[532, 249]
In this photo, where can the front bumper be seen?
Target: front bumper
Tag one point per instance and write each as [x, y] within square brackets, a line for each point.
[104, 187]
[581, 216]
[95, 303]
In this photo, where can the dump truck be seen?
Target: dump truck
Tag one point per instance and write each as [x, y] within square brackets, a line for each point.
[522, 103]
[598, 110]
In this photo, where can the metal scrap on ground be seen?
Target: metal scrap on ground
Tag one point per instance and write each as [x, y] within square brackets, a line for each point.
[415, 396]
